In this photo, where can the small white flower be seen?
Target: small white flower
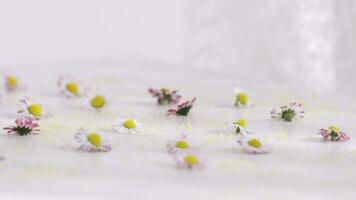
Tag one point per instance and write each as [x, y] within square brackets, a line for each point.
[189, 160]
[241, 98]
[253, 145]
[96, 101]
[178, 145]
[333, 134]
[239, 127]
[71, 88]
[127, 125]
[288, 112]
[90, 141]
[30, 107]
[182, 109]
[11, 83]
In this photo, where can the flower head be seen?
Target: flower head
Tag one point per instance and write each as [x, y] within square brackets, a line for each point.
[239, 127]
[241, 98]
[71, 88]
[97, 101]
[183, 108]
[253, 146]
[31, 107]
[90, 141]
[11, 83]
[165, 96]
[23, 126]
[178, 145]
[333, 134]
[127, 125]
[288, 112]
[189, 160]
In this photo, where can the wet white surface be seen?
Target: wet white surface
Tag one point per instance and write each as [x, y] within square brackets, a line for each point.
[300, 166]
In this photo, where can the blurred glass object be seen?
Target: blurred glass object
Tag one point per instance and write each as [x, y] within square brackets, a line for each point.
[288, 41]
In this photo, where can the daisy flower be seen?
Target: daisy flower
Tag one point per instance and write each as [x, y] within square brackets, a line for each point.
[90, 141]
[31, 107]
[165, 96]
[23, 126]
[288, 112]
[71, 88]
[239, 127]
[127, 125]
[253, 146]
[97, 101]
[333, 134]
[183, 108]
[178, 145]
[241, 98]
[188, 160]
[11, 83]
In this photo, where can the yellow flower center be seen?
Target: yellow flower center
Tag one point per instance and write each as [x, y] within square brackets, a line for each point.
[242, 98]
[334, 128]
[35, 110]
[182, 144]
[98, 101]
[255, 143]
[129, 124]
[191, 159]
[11, 82]
[241, 122]
[72, 88]
[94, 139]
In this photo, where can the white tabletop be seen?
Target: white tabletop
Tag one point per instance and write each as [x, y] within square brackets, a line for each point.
[300, 166]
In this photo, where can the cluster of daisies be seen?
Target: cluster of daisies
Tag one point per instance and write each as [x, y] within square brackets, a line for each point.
[184, 154]
[181, 150]
[31, 112]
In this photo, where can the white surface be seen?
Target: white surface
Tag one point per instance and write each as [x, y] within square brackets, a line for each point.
[300, 166]
[277, 50]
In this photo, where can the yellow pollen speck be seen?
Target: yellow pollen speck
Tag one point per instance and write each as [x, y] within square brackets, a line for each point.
[255, 143]
[242, 98]
[98, 101]
[35, 110]
[182, 144]
[129, 124]
[334, 128]
[191, 159]
[11, 82]
[72, 88]
[94, 139]
[241, 122]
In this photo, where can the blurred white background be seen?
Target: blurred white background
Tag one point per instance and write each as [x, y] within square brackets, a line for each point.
[306, 42]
